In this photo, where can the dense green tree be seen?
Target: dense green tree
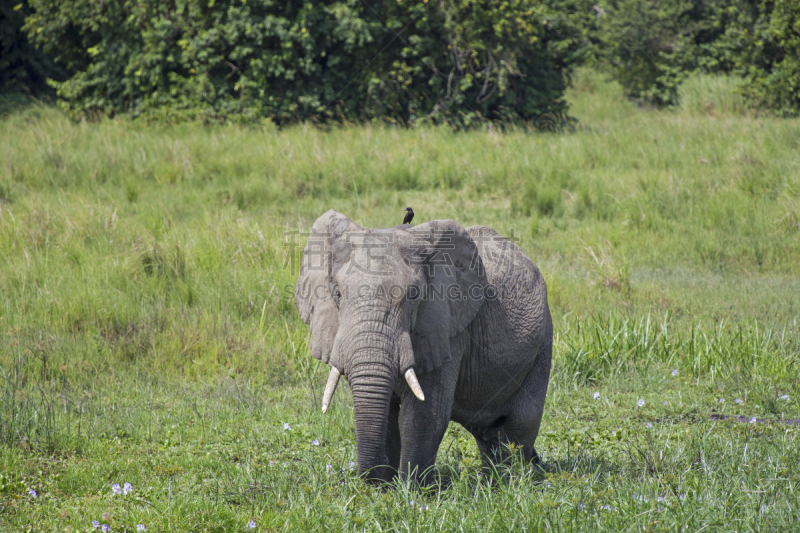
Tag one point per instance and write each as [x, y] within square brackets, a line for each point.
[653, 45]
[772, 66]
[454, 61]
[460, 62]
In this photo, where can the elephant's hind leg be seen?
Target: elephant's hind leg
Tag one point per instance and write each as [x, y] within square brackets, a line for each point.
[527, 407]
[489, 441]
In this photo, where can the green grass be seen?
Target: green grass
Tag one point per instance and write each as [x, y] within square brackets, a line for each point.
[147, 334]
[714, 95]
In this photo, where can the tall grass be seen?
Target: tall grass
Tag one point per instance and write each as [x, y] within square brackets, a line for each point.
[712, 95]
[58, 414]
[597, 349]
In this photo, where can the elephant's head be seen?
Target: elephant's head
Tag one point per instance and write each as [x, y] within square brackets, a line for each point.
[382, 306]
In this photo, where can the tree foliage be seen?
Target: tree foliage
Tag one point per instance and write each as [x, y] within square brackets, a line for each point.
[22, 66]
[453, 61]
[460, 62]
[653, 45]
[773, 64]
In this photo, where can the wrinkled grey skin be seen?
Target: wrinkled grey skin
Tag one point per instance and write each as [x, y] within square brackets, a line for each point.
[482, 358]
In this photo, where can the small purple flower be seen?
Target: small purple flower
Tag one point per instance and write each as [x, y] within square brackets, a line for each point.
[127, 488]
[140, 527]
[607, 508]
[674, 372]
[785, 397]
[106, 528]
[640, 498]
[315, 442]
[33, 493]
[666, 402]
[722, 400]
[659, 499]
[648, 425]
[738, 401]
[286, 426]
[351, 465]
[328, 468]
[95, 524]
[682, 496]
[115, 489]
[251, 524]
[752, 420]
[640, 403]
[596, 395]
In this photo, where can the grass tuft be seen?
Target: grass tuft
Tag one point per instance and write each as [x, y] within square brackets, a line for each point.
[712, 95]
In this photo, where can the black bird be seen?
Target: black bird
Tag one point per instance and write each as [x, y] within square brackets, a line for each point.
[409, 216]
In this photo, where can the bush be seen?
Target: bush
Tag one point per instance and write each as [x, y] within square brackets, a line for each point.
[773, 65]
[654, 45]
[457, 61]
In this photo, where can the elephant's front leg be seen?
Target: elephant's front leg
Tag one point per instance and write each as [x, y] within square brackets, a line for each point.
[393, 442]
[423, 423]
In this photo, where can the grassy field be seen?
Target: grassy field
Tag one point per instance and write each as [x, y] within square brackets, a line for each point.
[147, 335]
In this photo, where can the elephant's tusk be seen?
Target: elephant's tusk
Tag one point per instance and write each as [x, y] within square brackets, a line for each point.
[330, 388]
[411, 378]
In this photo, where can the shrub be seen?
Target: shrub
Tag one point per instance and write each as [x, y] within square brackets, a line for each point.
[773, 65]
[455, 61]
[654, 45]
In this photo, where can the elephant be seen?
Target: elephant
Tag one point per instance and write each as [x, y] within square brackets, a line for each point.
[428, 323]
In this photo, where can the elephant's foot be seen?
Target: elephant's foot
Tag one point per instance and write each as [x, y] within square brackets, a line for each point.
[532, 456]
[488, 441]
[498, 449]
[380, 475]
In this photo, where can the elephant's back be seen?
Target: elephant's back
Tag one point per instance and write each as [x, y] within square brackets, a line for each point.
[511, 327]
[508, 267]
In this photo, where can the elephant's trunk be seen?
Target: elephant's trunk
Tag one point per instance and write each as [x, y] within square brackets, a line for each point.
[372, 384]
[369, 342]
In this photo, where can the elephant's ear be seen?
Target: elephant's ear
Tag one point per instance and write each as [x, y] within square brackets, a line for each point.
[313, 296]
[454, 293]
